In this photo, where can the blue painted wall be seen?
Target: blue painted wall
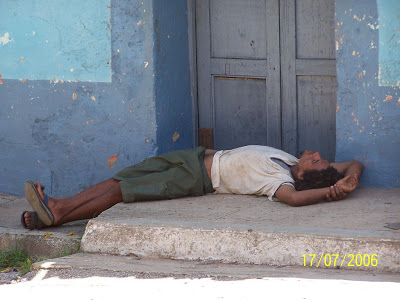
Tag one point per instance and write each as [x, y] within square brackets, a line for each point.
[368, 117]
[67, 133]
[389, 42]
[172, 76]
[39, 40]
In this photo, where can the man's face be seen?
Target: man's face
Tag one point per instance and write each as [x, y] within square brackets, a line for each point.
[310, 160]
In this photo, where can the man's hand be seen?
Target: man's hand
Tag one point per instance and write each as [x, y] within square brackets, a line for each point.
[342, 188]
[336, 193]
[348, 183]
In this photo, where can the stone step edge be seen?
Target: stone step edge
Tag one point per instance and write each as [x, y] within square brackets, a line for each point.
[39, 244]
[242, 246]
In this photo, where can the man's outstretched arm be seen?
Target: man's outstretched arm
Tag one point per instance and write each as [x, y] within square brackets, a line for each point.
[340, 190]
[289, 195]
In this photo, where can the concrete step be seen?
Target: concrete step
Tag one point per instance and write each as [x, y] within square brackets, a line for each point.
[228, 228]
[156, 268]
[241, 246]
[348, 234]
[48, 242]
[93, 276]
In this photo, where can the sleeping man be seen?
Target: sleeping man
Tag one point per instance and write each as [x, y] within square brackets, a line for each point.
[249, 170]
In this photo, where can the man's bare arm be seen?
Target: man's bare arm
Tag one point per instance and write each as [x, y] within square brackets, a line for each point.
[339, 191]
[349, 167]
[352, 171]
[289, 195]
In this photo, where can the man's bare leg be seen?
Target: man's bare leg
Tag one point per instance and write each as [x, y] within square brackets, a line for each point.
[95, 207]
[103, 195]
[94, 191]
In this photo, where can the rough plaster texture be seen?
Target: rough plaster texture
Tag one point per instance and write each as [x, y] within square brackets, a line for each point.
[63, 132]
[368, 115]
[172, 76]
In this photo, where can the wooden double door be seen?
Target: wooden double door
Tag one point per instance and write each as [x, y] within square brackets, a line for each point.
[266, 74]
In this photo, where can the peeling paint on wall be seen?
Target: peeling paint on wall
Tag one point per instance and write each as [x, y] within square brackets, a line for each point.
[111, 161]
[46, 40]
[368, 119]
[389, 42]
[5, 39]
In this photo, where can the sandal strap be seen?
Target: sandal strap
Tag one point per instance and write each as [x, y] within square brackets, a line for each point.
[46, 200]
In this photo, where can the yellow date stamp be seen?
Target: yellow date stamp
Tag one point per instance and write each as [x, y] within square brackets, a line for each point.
[340, 260]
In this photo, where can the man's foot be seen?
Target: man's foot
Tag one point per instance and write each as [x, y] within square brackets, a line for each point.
[52, 205]
[34, 221]
[28, 218]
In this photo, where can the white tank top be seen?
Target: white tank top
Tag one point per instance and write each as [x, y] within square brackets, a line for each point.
[250, 170]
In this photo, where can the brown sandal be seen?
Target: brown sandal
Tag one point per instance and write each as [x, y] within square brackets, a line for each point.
[39, 206]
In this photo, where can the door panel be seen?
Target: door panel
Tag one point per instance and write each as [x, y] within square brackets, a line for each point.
[314, 29]
[267, 73]
[315, 112]
[236, 36]
[246, 100]
[308, 76]
[238, 71]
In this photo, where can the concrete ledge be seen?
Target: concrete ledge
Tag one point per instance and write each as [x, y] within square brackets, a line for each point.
[238, 246]
[45, 243]
[227, 228]
[248, 229]
[39, 243]
[95, 264]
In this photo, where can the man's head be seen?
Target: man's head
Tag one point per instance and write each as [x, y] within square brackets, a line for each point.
[315, 172]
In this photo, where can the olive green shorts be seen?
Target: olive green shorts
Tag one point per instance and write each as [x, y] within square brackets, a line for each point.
[169, 176]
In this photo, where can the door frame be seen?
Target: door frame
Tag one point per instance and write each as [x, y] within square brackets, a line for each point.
[191, 9]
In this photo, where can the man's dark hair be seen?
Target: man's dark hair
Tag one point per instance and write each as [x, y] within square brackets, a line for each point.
[314, 179]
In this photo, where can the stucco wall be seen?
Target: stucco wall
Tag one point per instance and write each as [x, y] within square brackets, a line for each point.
[172, 76]
[368, 108]
[64, 131]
